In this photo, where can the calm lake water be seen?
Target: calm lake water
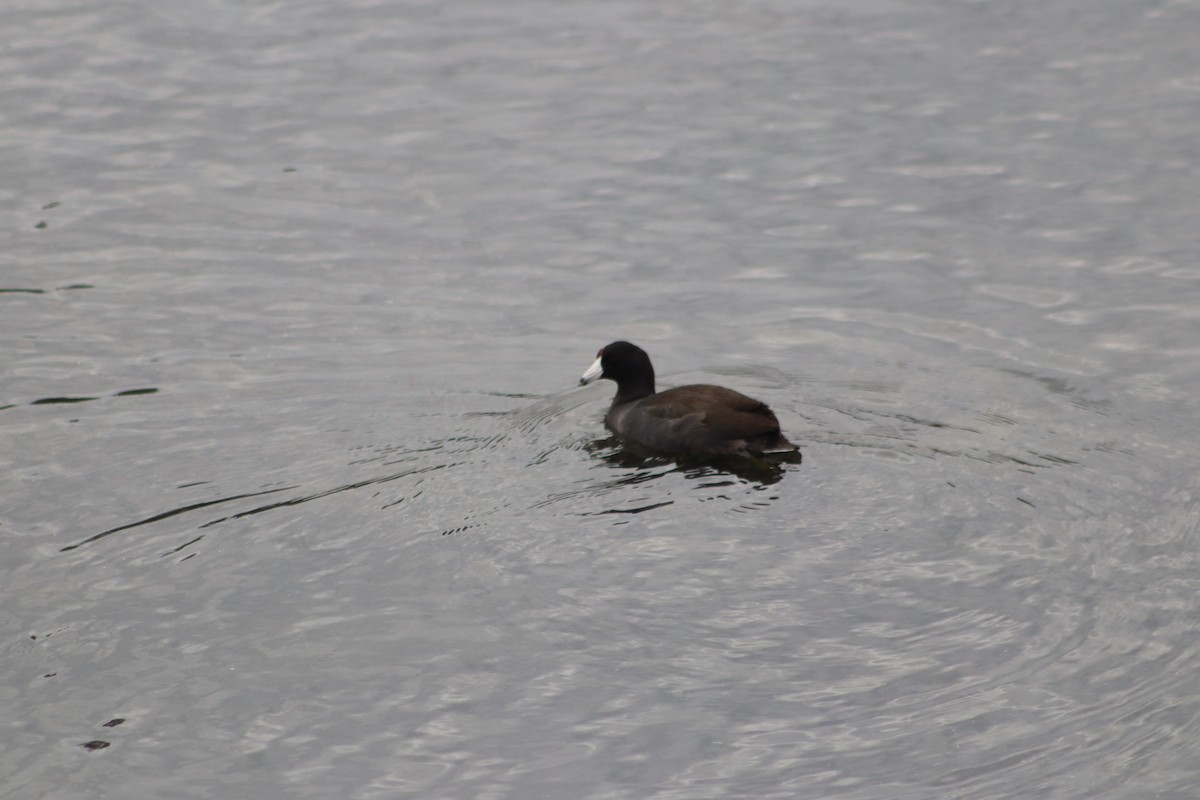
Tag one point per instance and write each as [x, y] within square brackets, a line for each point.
[300, 498]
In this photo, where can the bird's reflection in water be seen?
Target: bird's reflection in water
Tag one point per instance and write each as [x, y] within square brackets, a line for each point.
[645, 464]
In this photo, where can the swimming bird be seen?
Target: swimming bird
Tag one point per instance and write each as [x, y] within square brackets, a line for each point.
[698, 419]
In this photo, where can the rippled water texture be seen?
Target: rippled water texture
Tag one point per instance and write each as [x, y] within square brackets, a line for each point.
[300, 499]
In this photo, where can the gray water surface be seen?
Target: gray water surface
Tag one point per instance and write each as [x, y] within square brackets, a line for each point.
[300, 498]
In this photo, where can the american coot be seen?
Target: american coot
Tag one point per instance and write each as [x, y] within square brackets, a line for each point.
[701, 419]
